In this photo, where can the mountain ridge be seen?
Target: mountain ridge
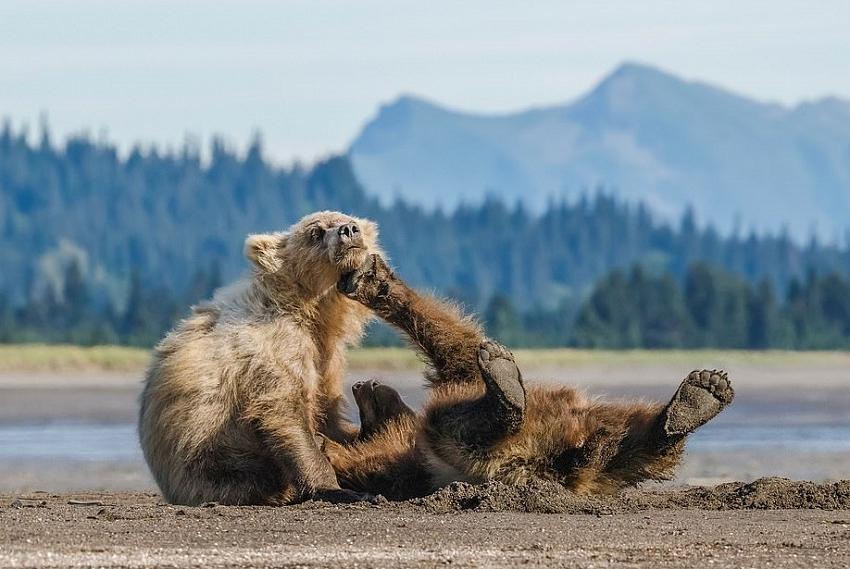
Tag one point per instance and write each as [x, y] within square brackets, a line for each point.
[644, 134]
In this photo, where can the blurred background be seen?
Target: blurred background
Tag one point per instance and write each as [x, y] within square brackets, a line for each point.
[665, 185]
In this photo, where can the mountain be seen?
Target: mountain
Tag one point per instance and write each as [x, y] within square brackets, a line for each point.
[643, 134]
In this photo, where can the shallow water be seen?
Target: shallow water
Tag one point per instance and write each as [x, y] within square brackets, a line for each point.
[822, 438]
[62, 442]
[119, 442]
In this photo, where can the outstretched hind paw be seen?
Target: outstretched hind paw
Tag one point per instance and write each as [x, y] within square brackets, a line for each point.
[700, 397]
[502, 376]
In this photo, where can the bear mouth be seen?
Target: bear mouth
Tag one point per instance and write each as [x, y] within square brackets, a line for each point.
[350, 256]
[342, 254]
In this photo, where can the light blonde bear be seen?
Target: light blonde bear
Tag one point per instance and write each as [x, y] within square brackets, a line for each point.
[237, 391]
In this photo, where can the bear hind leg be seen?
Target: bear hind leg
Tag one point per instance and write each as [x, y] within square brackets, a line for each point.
[654, 442]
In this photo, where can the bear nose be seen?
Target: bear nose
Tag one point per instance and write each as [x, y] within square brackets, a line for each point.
[349, 230]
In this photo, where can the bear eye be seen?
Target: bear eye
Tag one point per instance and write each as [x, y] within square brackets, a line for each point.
[316, 234]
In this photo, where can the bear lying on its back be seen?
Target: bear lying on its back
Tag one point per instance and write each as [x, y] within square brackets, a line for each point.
[480, 423]
[236, 392]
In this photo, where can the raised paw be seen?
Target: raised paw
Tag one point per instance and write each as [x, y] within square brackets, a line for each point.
[378, 404]
[700, 397]
[369, 282]
[502, 376]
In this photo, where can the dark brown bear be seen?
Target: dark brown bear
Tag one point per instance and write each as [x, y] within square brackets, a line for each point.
[480, 422]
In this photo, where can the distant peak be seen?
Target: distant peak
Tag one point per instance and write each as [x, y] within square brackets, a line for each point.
[407, 107]
[638, 72]
[631, 68]
[407, 100]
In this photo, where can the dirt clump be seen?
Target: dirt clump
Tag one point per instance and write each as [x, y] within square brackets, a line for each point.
[542, 497]
[534, 497]
[781, 493]
[762, 494]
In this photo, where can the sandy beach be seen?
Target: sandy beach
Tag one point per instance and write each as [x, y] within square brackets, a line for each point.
[74, 490]
[774, 523]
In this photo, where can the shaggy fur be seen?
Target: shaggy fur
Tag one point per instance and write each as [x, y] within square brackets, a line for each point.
[236, 392]
[481, 424]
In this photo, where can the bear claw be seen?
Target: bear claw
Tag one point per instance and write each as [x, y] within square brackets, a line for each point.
[700, 397]
[370, 284]
[348, 282]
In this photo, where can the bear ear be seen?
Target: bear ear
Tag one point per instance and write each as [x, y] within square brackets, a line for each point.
[263, 250]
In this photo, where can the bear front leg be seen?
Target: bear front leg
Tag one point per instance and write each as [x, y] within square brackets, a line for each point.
[335, 426]
[332, 421]
[447, 338]
[378, 405]
[303, 464]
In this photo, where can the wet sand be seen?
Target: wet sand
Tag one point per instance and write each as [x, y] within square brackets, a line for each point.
[461, 526]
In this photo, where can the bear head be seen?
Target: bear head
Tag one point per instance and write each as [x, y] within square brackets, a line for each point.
[315, 252]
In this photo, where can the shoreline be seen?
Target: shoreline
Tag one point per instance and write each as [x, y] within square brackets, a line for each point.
[84, 420]
[73, 359]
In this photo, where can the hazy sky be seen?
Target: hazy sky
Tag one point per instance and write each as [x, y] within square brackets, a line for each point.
[309, 73]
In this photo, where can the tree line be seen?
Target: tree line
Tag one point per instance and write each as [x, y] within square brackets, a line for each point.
[74, 315]
[710, 308]
[143, 225]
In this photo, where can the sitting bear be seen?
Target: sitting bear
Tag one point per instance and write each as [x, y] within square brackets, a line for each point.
[480, 423]
[236, 393]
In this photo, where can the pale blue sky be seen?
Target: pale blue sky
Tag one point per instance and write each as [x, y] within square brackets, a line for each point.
[309, 73]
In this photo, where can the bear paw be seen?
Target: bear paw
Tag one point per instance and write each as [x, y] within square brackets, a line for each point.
[502, 375]
[368, 283]
[700, 397]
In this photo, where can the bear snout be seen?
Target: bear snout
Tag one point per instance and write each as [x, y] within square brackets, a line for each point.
[350, 234]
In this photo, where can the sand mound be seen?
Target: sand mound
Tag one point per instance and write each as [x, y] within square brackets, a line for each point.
[547, 497]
